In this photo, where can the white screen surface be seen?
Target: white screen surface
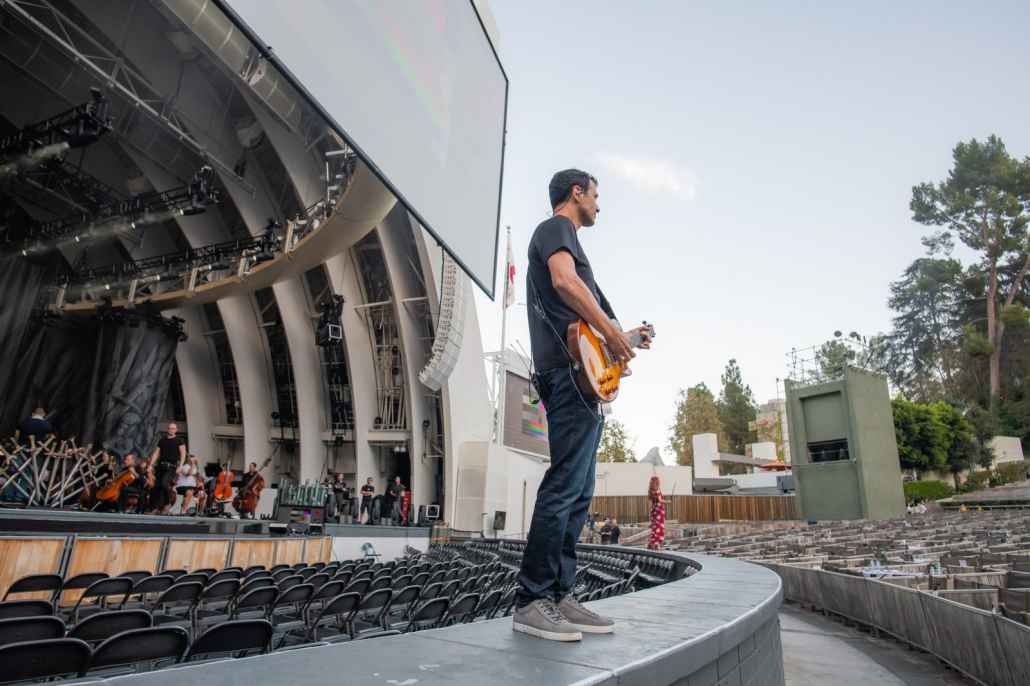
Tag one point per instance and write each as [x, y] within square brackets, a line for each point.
[416, 87]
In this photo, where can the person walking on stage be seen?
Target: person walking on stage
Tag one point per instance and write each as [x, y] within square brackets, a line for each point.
[654, 494]
[35, 426]
[186, 486]
[168, 458]
[395, 492]
[561, 289]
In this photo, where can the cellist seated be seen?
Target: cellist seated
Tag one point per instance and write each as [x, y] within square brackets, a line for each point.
[133, 489]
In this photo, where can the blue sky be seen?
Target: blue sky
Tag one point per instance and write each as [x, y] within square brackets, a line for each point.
[755, 161]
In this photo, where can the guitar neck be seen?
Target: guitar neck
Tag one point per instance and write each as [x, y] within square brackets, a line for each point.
[635, 339]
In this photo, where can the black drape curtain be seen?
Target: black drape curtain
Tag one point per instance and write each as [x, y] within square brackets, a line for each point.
[20, 281]
[105, 383]
[129, 386]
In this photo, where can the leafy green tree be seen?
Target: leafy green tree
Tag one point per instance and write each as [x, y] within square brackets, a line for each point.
[923, 343]
[695, 414]
[831, 357]
[964, 451]
[737, 409]
[984, 201]
[615, 444]
[922, 436]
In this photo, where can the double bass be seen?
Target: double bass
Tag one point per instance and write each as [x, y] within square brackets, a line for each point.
[246, 500]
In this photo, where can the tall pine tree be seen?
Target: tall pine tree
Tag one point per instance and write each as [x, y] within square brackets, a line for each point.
[695, 414]
[736, 410]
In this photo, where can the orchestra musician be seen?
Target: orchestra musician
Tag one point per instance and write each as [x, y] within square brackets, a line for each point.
[134, 488]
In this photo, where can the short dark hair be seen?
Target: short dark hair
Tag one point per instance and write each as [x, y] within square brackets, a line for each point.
[564, 181]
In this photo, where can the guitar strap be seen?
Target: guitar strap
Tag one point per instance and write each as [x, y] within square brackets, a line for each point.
[539, 310]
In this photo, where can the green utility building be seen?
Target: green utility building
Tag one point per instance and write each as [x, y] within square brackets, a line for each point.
[844, 452]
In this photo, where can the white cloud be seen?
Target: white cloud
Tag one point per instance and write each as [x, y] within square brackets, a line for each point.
[650, 174]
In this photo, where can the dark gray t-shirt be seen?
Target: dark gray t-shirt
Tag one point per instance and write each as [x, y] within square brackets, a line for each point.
[557, 233]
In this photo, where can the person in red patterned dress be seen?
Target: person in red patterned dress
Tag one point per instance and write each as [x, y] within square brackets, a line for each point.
[654, 492]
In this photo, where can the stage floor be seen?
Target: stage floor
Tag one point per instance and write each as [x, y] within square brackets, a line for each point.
[47, 521]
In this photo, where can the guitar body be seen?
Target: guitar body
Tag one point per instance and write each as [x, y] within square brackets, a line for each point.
[599, 377]
[600, 374]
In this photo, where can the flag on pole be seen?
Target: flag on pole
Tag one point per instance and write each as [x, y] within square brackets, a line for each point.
[509, 286]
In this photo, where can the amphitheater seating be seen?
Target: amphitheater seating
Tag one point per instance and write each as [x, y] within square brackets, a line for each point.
[138, 621]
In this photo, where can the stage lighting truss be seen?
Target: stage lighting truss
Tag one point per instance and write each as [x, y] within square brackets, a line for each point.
[131, 214]
[55, 136]
[187, 269]
[146, 315]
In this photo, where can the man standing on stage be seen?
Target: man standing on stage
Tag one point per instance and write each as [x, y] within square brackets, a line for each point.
[36, 426]
[168, 458]
[395, 492]
[561, 289]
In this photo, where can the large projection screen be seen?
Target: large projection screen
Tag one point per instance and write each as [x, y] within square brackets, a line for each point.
[419, 92]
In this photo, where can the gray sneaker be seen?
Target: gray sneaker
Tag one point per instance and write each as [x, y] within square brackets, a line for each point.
[541, 618]
[587, 621]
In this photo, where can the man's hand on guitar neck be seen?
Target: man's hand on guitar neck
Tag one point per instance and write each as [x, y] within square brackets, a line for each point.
[618, 342]
[645, 333]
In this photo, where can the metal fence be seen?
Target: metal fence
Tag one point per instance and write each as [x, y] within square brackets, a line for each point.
[698, 509]
[983, 645]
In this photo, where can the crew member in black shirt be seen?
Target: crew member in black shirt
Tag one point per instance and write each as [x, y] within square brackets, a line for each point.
[606, 532]
[367, 491]
[341, 497]
[168, 458]
[616, 532]
[35, 426]
[395, 493]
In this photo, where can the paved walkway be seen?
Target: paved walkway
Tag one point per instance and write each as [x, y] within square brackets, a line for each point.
[818, 651]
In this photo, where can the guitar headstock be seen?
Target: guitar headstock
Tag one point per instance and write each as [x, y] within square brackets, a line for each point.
[650, 329]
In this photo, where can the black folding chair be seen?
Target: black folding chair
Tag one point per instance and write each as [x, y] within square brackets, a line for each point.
[96, 598]
[22, 629]
[34, 583]
[400, 606]
[137, 649]
[461, 610]
[255, 604]
[234, 574]
[237, 638]
[322, 595]
[174, 607]
[11, 609]
[488, 605]
[319, 580]
[174, 573]
[213, 605]
[360, 586]
[253, 569]
[333, 624]
[102, 626]
[20, 662]
[136, 575]
[145, 591]
[76, 583]
[287, 612]
[427, 615]
[373, 606]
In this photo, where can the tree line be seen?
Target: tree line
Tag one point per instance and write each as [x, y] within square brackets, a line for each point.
[957, 355]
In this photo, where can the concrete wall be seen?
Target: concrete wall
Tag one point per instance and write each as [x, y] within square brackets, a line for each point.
[1007, 449]
[632, 478]
[855, 409]
[388, 547]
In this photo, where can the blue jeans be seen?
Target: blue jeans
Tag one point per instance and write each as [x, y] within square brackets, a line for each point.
[563, 500]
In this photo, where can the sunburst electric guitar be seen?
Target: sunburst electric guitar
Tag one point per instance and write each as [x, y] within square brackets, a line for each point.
[600, 373]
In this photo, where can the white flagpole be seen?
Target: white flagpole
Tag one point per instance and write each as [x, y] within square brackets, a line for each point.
[504, 345]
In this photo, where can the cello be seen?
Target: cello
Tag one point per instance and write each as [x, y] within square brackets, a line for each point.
[112, 490]
[246, 500]
[223, 487]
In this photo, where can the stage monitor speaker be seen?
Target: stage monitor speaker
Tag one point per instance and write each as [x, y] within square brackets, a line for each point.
[432, 512]
[252, 529]
[500, 518]
[277, 529]
[422, 515]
